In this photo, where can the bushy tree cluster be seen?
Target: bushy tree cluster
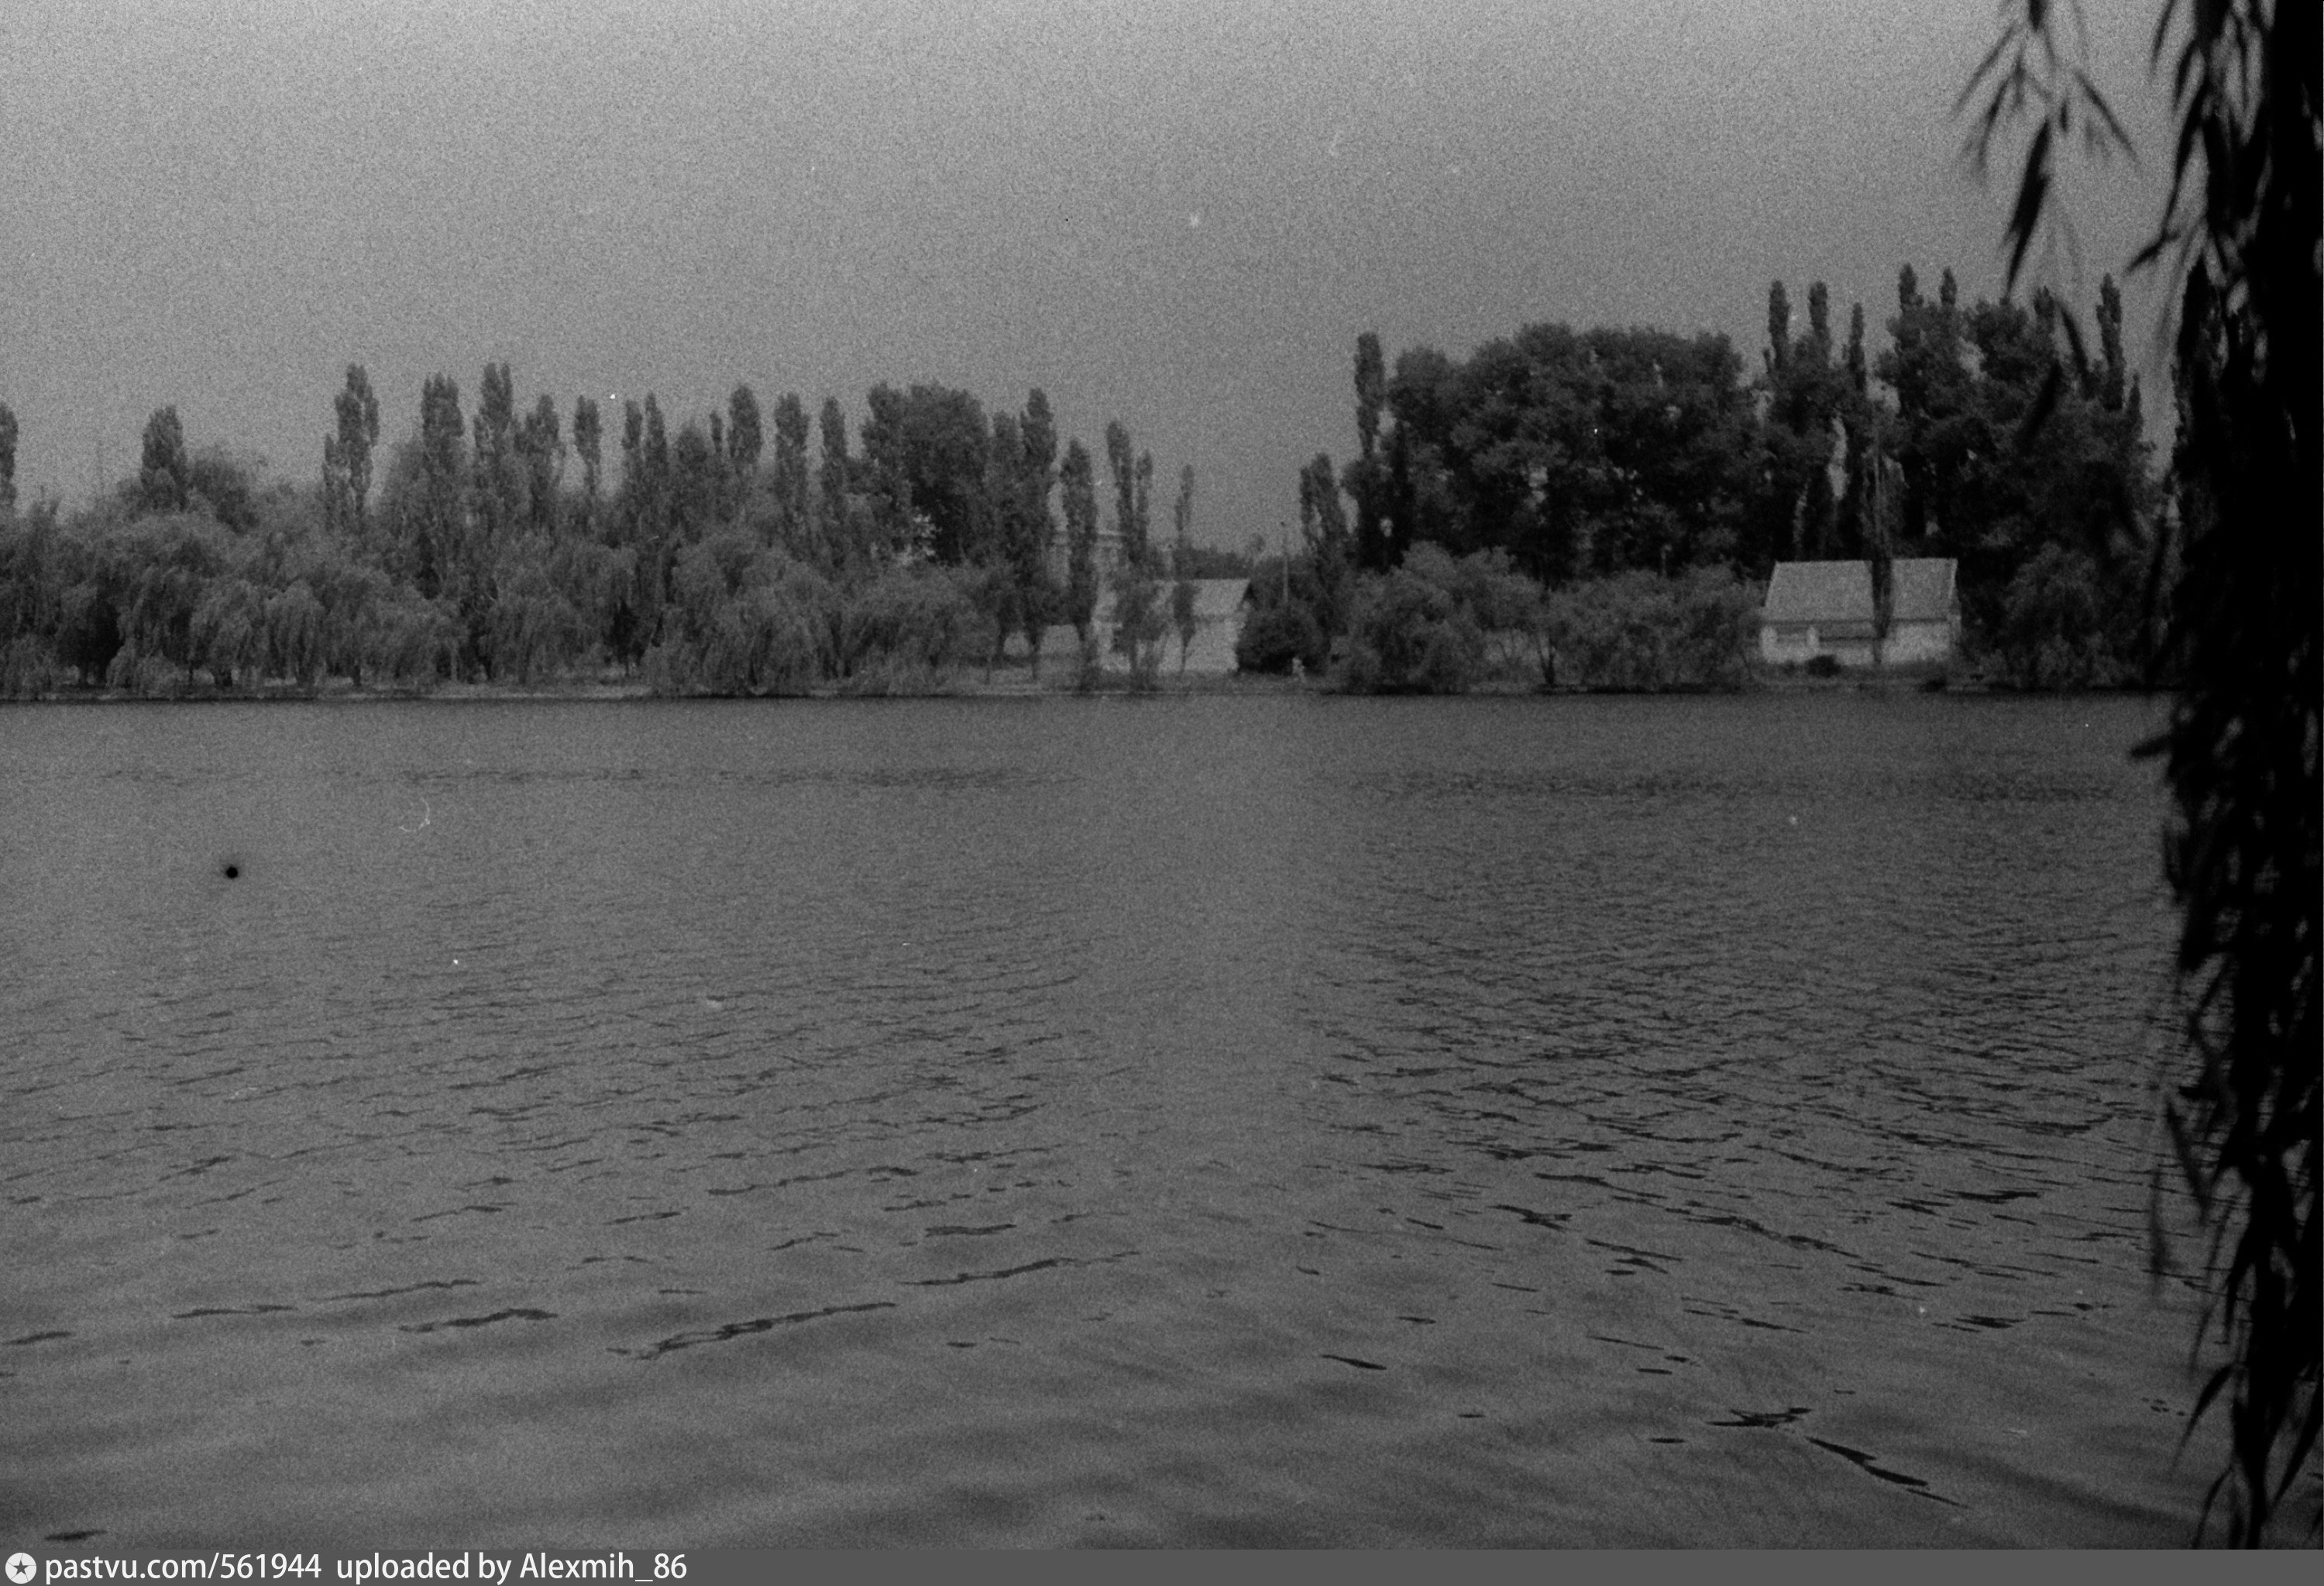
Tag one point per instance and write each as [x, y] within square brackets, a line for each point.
[717, 558]
[1440, 624]
[1592, 460]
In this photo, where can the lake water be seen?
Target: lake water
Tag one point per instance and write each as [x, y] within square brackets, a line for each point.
[1218, 1120]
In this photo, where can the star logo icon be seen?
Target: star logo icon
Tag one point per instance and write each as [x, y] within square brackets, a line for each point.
[20, 1567]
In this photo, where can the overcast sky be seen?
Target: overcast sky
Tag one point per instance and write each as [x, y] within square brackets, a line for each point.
[1179, 213]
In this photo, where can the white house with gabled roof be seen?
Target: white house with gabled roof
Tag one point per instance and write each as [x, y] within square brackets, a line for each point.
[1826, 609]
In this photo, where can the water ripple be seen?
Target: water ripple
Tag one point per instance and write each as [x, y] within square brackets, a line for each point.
[1271, 1121]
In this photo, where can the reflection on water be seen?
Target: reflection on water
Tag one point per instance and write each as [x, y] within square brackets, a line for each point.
[1206, 1122]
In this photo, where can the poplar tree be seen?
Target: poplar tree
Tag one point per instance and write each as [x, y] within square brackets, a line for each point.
[791, 471]
[497, 488]
[436, 550]
[1803, 396]
[834, 481]
[720, 474]
[1325, 524]
[1820, 321]
[1077, 498]
[657, 557]
[1182, 563]
[1037, 432]
[1857, 416]
[1004, 533]
[543, 453]
[1122, 467]
[588, 438]
[632, 517]
[1365, 482]
[694, 483]
[162, 471]
[357, 411]
[744, 439]
[496, 473]
[655, 455]
[1139, 515]
[1135, 625]
[1039, 428]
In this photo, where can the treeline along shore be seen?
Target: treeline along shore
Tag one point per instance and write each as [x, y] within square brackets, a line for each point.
[1597, 509]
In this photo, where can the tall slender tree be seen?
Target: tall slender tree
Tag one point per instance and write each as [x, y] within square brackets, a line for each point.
[1002, 536]
[835, 483]
[440, 519]
[790, 480]
[162, 472]
[1037, 432]
[695, 497]
[1142, 509]
[744, 438]
[1182, 566]
[1367, 480]
[719, 470]
[7, 457]
[588, 441]
[1323, 526]
[657, 554]
[1122, 467]
[356, 409]
[1860, 419]
[497, 509]
[1820, 321]
[543, 454]
[1136, 626]
[633, 474]
[1805, 395]
[1077, 498]
[498, 473]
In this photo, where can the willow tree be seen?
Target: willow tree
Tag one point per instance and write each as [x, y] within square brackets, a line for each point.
[2238, 236]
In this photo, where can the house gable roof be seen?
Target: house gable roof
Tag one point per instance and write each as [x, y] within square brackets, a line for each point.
[1833, 593]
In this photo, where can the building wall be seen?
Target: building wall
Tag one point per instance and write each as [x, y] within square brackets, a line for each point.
[1909, 643]
[1783, 643]
[1919, 642]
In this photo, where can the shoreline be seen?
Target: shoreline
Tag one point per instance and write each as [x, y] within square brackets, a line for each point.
[971, 685]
